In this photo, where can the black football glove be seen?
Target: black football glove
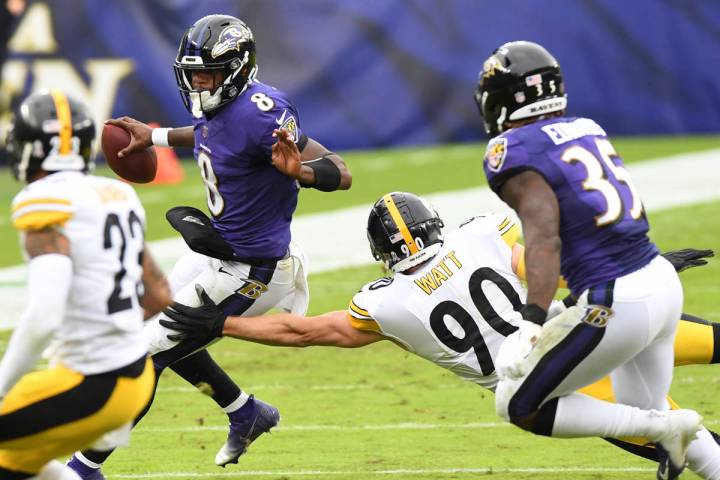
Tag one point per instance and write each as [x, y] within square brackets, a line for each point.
[687, 258]
[204, 322]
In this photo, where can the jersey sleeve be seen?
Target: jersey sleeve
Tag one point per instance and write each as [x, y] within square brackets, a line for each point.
[41, 205]
[498, 223]
[508, 229]
[282, 115]
[361, 307]
[505, 157]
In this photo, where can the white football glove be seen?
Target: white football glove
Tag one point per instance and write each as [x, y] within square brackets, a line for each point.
[511, 361]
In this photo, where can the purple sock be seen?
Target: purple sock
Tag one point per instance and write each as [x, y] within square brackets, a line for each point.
[80, 467]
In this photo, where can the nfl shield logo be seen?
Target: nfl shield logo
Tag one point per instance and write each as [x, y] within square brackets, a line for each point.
[495, 153]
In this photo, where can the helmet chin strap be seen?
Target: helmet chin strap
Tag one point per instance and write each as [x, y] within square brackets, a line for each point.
[501, 119]
[24, 161]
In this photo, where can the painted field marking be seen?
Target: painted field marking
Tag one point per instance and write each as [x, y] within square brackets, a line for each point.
[353, 428]
[399, 471]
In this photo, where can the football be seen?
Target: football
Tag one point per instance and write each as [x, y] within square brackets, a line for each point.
[138, 167]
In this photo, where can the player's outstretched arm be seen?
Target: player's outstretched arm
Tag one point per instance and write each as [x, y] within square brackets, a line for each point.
[49, 280]
[282, 329]
[315, 166]
[143, 136]
[157, 293]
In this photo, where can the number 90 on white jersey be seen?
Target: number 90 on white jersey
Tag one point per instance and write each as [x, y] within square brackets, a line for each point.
[457, 309]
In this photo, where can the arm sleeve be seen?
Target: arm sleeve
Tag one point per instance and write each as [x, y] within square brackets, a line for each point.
[49, 279]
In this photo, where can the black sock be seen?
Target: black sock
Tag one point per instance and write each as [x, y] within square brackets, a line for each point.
[200, 370]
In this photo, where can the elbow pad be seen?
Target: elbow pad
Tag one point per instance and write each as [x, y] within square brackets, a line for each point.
[327, 174]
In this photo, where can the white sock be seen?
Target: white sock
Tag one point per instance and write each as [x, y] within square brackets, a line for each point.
[55, 470]
[85, 461]
[239, 402]
[579, 415]
[704, 456]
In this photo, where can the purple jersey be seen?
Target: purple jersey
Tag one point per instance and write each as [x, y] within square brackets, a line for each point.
[251, 201]
[603, 227]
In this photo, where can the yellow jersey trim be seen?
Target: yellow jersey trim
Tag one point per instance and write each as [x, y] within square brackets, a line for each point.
[62, 107]
[34, 201]
[40, 219]
[367, 325]
[397, 218]
[358, 310]
[512, 233]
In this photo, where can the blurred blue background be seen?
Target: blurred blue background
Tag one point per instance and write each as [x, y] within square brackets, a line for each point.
[379, 73]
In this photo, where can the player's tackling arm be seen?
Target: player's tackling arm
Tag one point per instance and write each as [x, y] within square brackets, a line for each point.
[49, 280]
[536, 205]
[331, 329]
[156, 294]
[283, 329]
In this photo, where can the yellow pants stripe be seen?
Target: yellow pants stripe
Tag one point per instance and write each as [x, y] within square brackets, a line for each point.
[31, 452]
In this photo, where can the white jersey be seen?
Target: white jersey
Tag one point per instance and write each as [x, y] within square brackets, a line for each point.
[458, 307]
[105, 223]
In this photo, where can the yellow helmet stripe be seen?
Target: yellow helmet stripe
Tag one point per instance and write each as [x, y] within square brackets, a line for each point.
[62, 107]
[397, 218]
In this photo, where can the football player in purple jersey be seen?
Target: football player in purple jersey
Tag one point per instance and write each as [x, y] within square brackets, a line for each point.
[582, 217]
[253, 158]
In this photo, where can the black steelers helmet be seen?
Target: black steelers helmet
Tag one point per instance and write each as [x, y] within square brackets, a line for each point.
[52, 132]
[403, 230]
[215, 42]
[519, 80]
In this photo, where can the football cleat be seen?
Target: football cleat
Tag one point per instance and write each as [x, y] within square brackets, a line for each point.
[85, 472]
[259, 419]
[672, 447]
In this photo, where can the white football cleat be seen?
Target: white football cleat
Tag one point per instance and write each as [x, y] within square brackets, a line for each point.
[672, 446]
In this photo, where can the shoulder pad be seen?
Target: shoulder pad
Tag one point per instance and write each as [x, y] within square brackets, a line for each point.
[495, 223]
[364, 303]
[42, 204]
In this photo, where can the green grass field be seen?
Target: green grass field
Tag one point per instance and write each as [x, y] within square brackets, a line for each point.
[379, 412]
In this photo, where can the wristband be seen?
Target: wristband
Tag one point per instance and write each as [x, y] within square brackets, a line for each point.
[533, 313]
[160, 137]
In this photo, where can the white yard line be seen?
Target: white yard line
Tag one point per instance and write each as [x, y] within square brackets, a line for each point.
[351, 428]
[399, 471]
[337, 239]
